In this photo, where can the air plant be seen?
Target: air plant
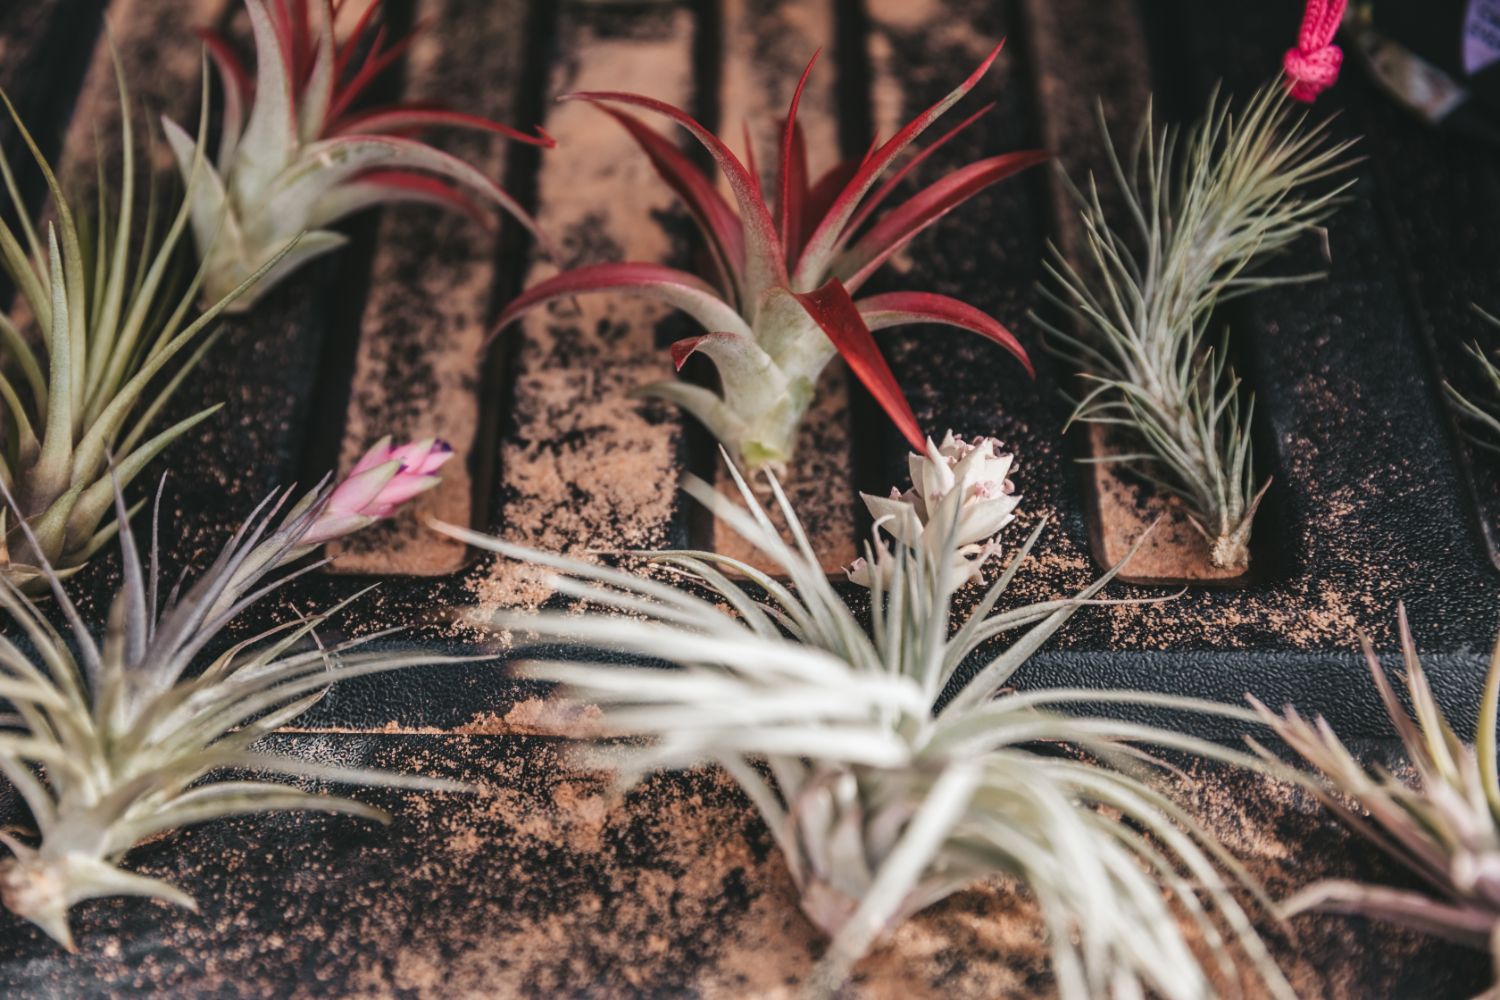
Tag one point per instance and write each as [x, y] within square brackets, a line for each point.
[1480, 412]
[1199, 218]
[115, 742]
[894, 766]
[307, 155]
[1442, 823]
[115, 336]
[777, 307]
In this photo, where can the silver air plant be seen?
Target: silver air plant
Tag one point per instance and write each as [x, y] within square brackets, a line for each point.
[115, 336]
[114, 742]
[1198, 218]
[1441, 822]
[1481, 412]
[893, 764]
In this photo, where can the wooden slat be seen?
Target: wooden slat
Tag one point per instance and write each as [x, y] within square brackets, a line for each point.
[417, 366]
[583, 466]
[766, 46]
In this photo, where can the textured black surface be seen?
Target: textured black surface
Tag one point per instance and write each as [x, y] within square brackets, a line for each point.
[531, 888]
[1378, 499]
[1371, 505]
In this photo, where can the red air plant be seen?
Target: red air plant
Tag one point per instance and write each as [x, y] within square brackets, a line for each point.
[308, 154]
[779, 307]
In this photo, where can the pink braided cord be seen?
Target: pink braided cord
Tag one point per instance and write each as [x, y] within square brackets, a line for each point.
[1313, 66]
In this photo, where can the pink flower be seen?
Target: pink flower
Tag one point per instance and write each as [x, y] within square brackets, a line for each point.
[384, 479]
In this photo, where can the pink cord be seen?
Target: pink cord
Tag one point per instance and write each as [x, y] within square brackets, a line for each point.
[1313, 66]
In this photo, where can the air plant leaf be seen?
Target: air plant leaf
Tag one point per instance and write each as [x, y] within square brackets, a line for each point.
[1480, 411]
[1198, 218]
[304, 158]
[773, 265]
[887, 779]
[115, 337]
[1442, 822]
[118, 740]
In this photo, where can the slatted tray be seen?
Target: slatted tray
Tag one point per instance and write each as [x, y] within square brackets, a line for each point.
[547, 888]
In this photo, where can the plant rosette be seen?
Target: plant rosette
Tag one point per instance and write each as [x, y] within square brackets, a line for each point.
[778, 306]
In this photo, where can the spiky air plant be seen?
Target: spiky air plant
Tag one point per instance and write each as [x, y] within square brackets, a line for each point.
[777, 307]
[102, 337]
[1199, 218]
[1482, 413]
[115, 742]
[894, 766]
[1442, 822]
[307, 155]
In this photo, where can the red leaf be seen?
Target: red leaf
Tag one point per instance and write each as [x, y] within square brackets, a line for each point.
[721, 227]
[413, 115]
[833, 310]
[231, 70]
[355, 39]
[376, 62]
[792, 178]
[678, 288]
[750, 165]
[765, 265]
[870, 204]
[897, 228]
[820, 196]
[900, 308]
[424, 187]
[825, 238]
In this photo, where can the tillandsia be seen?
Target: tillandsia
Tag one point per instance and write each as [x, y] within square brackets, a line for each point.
[307, 155]
[777, 307]
[116, 741]
[1481, 412]
[894, 765]
[1199, 218]
[116, 335]
[1442, 822]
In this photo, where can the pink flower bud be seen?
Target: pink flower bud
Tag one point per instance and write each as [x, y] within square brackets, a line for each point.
[380, 482]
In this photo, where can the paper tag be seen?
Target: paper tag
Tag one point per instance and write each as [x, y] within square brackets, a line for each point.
[1481, 35]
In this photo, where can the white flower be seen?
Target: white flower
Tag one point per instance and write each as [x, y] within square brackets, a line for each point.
[979, 473]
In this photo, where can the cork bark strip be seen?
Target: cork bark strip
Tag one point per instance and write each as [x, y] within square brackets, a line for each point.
[766, 47]
[416, 370]
[585, 467]
[1074, 71]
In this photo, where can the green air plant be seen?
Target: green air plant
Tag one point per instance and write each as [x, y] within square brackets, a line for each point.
[1442, 823]
[1198, 218]
[116, 335]
[1482, 412]
[307, 155]
[114, 742]
[778, 305]
[894, 765]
